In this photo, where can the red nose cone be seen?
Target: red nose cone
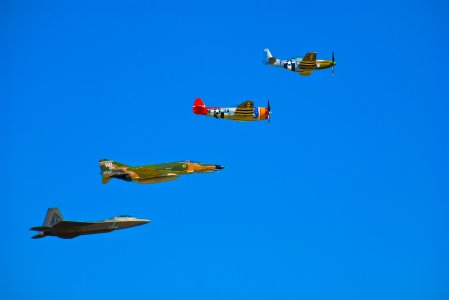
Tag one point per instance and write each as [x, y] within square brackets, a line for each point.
[199, 107]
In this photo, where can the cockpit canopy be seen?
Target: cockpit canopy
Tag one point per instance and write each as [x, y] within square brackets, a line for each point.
[120, 217]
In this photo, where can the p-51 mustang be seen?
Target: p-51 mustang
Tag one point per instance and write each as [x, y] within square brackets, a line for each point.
[244, 112]
[152, 173]
[55, 225]
[304, 66]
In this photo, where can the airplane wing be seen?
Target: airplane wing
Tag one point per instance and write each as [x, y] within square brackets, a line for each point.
[247, 104]
[308, 61]
[162, 178]
[245, 110]
[305, 72]
[67, 224]
[147, 172]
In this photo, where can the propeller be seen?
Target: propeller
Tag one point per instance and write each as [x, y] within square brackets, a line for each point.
[268, 112]
[333, 62]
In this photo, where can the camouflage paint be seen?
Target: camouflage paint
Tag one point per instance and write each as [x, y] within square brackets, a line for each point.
[152, 173]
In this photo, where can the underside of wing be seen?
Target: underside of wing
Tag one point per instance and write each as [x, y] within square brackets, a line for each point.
[245, 110]
[305, 72]
[163, 178]
[69, 224]
[309, 61]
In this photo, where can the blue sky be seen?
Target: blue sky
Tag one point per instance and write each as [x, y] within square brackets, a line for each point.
[344, 196]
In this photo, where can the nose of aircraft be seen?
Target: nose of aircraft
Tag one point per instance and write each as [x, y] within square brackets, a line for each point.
[219, 167]
[143, 221]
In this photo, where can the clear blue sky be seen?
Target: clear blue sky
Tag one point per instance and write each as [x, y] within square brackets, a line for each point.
[344, 196]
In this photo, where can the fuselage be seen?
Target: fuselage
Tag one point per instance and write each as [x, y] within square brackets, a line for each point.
[258, 113]
[78, 228]
[153, 173]
[177, 168]
[294, 64]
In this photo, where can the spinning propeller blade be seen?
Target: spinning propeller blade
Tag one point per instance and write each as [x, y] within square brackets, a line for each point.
[333, 62]
[268, 112]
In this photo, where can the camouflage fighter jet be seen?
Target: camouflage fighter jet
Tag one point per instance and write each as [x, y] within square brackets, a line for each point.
[244, 112]
[152, 173]
[304, 66]
[55, 225]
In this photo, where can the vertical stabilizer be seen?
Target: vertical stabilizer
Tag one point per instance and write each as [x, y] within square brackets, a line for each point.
[53, 216]
[268, 53]
[199, 107]
[111, 169]
[268, 59]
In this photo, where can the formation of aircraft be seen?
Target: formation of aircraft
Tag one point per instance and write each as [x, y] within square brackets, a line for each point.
[152, 173]
[302, 65]
[244, 112]
[55, 225]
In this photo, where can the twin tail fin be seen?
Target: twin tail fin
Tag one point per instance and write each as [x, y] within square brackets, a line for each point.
[53, 217]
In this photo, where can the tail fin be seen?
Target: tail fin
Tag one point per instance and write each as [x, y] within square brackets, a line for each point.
[199, 107]
[269, 59]
[110, 168]
[267, 52]
[53, 216]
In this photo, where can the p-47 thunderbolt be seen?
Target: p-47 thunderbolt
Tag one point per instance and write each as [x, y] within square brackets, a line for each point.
[152, 173]
[244, 112]
[304, 66]
[55, 225]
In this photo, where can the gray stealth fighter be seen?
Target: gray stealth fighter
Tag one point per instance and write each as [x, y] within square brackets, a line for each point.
[55, 225]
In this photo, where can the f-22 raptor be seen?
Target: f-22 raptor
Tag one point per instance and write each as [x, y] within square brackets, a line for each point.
[55, 225]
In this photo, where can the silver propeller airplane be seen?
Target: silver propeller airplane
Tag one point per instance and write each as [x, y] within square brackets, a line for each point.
[302, 65]
[55, 225]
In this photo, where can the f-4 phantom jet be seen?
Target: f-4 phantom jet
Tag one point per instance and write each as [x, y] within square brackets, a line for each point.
[55, 225]
[152, 173]
[304, 66]
[244, 112]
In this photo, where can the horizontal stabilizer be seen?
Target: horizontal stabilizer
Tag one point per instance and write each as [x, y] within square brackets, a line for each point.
[38, 236]
[40, 228]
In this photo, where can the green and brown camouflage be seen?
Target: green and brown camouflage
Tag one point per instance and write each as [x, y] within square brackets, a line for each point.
[152, 173]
